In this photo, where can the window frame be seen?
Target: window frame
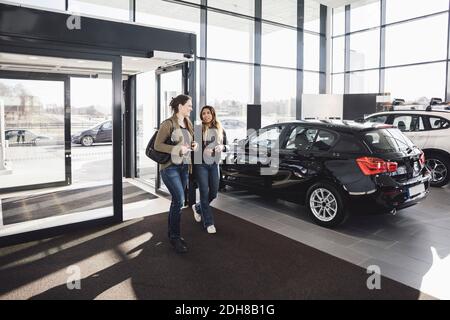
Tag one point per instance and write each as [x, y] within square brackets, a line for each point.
[332, 145]
[427, 122]
[308, 127]
[415, 118]
[291, 130]
[356, 138]
[283, 128]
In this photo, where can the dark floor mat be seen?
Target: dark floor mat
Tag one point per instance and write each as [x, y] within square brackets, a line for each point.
[240, 261]
[20, 209]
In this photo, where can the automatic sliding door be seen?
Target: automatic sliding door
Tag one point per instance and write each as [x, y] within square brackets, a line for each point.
[32, 122]
[154, 91]
[169, 85]
[146, 123]
[55, 132]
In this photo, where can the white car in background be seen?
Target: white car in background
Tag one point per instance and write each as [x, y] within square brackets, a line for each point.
[235, 129]
[430, 131]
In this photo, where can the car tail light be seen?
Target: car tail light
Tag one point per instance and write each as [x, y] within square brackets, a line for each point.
[370, 166]
[422, 159]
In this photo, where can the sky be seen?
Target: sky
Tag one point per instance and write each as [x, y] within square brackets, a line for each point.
[84, 92]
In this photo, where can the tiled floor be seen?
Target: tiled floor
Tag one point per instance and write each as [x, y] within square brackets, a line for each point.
[400, 245]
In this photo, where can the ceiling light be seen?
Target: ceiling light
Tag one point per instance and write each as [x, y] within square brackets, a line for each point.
[135, 59]
[33, 58]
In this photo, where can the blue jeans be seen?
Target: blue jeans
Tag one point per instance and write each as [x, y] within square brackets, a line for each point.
[207, 176]
[175, 178]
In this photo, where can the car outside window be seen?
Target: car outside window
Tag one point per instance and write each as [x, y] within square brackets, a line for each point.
[404, 122]
[387, 140]
[348, 144]
[11, 134]
[107, 126]
[378, 119]
[437, 123]
[266, 138]
[324, 141]
[301, 138]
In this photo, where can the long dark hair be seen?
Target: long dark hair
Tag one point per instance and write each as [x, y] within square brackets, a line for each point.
[179, 99]
[215, 123]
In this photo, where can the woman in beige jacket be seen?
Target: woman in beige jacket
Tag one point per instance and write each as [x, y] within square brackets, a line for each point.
[175, 137]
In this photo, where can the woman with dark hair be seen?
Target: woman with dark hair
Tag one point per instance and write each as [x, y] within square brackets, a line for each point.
[179, 131]
[214, 141]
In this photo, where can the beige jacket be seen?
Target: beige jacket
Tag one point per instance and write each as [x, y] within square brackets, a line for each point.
[170, 127]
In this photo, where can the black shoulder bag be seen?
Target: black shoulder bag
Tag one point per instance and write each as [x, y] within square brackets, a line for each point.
[160, 157]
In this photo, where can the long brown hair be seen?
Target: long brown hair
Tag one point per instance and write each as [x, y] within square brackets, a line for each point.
[179, 99]
[174, 104]
[215, 123]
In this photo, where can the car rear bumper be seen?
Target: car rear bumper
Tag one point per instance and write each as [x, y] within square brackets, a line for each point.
[388, 198]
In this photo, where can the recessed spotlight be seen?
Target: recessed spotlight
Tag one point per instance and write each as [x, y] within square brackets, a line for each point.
[33, 58]
[80, 61]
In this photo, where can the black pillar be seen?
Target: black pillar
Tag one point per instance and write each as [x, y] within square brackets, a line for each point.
[253, 116]
[129, 122]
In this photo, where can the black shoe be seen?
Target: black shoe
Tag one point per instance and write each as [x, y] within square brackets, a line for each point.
[179, 246]
[183, 241]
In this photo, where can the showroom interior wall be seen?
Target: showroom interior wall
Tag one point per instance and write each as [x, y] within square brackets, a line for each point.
[247, 48]
[394, 46]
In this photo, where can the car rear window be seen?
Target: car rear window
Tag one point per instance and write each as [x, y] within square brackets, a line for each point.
[348, 144]
[387, 140]
[324, 141]
[439, 123]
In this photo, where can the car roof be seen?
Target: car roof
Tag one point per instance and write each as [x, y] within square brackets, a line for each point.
[438, 113]
[339, 125]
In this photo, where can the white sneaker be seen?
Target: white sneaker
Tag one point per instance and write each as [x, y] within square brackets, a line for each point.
[211, 229]
[197, 216]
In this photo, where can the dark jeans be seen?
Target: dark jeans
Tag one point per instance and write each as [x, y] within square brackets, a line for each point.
[207, 176]
[175, 178]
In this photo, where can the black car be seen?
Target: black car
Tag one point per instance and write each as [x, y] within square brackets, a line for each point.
[100, 133]
[331, 167]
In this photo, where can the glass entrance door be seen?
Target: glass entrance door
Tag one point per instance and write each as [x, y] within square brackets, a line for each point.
[170, 83]
[56, 133]
[33, 120]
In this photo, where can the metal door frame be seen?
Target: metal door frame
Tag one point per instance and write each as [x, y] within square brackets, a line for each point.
[184, 78]
[116, 67]
[65, 78]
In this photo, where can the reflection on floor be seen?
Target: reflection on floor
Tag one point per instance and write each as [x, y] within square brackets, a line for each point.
[138, 201]
[412, 247]
[20, 209]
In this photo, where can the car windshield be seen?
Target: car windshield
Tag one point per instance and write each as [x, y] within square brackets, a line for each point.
[96, 127]
[387, 140]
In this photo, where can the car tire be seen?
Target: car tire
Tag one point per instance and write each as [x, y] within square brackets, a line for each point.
[439, 166]
[331, 212]
[87, 141]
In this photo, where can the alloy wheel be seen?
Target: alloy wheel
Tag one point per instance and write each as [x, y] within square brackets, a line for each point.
[87, 141]
[437, 168]
[323, 204]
